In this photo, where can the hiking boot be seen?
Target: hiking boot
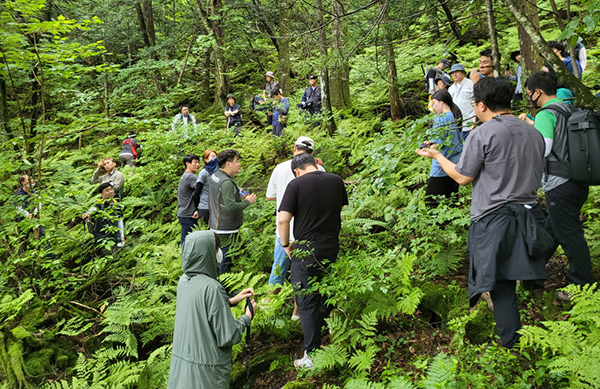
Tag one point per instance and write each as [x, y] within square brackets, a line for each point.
[563, 296]
[304, 363]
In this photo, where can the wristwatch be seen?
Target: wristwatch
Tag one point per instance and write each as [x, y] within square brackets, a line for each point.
[286, 245]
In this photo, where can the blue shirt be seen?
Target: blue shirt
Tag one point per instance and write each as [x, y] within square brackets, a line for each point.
[567, 61]
[282, 109]
[452, 152]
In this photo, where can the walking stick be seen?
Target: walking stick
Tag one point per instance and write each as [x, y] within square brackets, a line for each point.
[251, 308]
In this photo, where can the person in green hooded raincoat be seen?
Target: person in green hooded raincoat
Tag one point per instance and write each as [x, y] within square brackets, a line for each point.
[205, 329]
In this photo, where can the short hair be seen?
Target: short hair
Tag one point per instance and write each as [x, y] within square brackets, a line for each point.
[558, 46]
[189, 158]
[301, 161]
[227, 156]
[111, 158]
[276, 92]
[544, 81]
[185, 106]
[488, 53]
[304, 148]
[22, 178]
[103, 186]
[495, 92]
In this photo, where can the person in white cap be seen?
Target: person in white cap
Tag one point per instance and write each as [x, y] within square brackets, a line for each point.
[270, 86]
[280, 178]
[462, 95]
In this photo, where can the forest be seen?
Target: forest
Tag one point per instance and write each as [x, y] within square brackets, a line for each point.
[76, 77]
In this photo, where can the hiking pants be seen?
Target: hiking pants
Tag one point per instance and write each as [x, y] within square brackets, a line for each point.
[278, 129]
[506, 311]
[227, 242]
[439, 186]
[127, 159]
[187, 224]
[311, 306]
[563, 222]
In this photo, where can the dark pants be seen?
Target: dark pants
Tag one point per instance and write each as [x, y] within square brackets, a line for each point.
[439, 186]
[187, 224]
[506, 311]
[28, 232]
[227, 241]
[236, 126]
[278, 129]
[517, 99]
[311, 306]
[269, 119]
[203, 215]
[563, 222]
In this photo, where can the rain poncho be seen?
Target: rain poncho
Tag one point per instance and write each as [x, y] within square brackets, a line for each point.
[205, 330]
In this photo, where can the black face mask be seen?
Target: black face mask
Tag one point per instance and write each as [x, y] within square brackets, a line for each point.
[535, 102]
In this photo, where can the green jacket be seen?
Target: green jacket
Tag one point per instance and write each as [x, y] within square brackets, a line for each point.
[205, 330]
[225, 204]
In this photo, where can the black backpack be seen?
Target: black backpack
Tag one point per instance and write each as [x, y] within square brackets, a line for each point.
[582, 132]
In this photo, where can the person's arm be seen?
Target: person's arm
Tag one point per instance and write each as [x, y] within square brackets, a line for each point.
[193, 121]
[175, 120]
[583, 58]
[545, 122]
[118, 181]
[197, 193]
[474, 76]
[228, 196]
[304, 96]
[272, 186]
[121, 230]
[226, 330]
[283, 226]
[96, 177]
[447, 165]
[285, 107]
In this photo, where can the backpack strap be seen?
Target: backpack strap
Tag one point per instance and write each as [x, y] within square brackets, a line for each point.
[560, 167]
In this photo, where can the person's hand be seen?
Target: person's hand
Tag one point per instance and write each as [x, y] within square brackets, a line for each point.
[251, 197]
[318, 161]
[30, 215]
[429, 152]
[506, 73]
[85, 216]
[227, 113]
[526, 119]
[248, 313]
[123, 240]
[244, 294]
[101, 165]
[195, 215]
[261, 102]
[288, 250]
[270, 113]
[474, 75]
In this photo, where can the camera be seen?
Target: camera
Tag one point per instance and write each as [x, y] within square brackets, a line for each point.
[305, 105]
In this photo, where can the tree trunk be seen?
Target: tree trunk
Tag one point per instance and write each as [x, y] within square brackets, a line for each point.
[455, 29]
[140, 15]
[149, 18]
[583, 96]
[326, 103]
[559, 20]
[339, 72]
[284, 48]
[187, 54]
[3, 106]
[570, 47]
[392, 72]
[531, 61]
[489, 7]
[205, 91]
[263, 21]
[220, 66]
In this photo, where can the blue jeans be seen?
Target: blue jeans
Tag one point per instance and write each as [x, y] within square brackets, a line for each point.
[187, 224]
[281, 264]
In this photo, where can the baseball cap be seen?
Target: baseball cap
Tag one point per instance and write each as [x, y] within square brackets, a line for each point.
[306, 142]
[313, 77]
[445, 62]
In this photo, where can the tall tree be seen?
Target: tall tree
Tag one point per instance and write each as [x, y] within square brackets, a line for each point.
[491, 20]
[392, 73]
[326, 102]
[531, 61]
[339, 86]
[284, 47]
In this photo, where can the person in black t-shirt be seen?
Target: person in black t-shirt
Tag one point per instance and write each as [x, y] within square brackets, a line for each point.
[315, 200]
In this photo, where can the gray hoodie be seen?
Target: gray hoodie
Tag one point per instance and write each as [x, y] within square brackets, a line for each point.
[205, 330]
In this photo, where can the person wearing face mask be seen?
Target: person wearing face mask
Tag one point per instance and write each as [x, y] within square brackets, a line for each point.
[205, 330]
[564, 197]
[201, 192]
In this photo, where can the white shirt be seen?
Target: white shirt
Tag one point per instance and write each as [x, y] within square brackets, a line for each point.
[462, 96]
[280, 178]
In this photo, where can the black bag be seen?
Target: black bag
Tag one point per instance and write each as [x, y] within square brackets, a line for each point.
[583, 147]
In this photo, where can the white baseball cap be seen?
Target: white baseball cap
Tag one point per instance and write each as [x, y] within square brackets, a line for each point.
[306, 142]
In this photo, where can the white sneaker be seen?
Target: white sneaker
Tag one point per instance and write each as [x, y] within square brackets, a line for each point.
[295, 317]
[304, 363]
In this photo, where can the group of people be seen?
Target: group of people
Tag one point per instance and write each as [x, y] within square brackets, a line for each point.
[306, 242]
[506, 159]
[270, 99]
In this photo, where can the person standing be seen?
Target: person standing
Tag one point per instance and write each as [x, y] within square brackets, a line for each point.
[226, 204]
[201, 192]
[187, 213]
[564, 197]
[233, 114]
[280, 111]
[280, 178]
[183, 119]
[462, 95]
[205, 329]
[518, 97]
[129, 150]
[311, 99]
[436, 72]
[503, 159]
[559, 50]
[486, 66]
[450, 144]
[317, 224]
[112, 175]
[270, 86]
[106, 220]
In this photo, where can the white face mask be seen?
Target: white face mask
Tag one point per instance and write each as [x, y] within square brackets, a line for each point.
[219, 256]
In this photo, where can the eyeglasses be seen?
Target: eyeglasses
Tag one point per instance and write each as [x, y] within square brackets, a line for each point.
[474, 103]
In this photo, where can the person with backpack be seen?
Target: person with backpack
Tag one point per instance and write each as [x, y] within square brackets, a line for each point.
[439, 183]
[184, 118]
[105, 220]
[311, 99]
[564, 196]
[201, 192]
[205, 330]
[436, 72]
[129, 150]
[280, 111]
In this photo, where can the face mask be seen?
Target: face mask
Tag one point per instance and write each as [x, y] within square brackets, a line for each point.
[535, 102]
[219, 256]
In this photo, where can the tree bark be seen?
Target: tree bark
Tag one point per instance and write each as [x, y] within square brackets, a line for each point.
[531, 61]
[392, 72]
[326, 103]
[187, 54]
[583, 96]
[205, 91]
[149, 18]
[455, 29]
[3, 106]
[491, 20]
[284, 48]
[339, 72]
[140, 15]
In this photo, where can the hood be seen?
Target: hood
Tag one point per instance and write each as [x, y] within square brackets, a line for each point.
[198, 254]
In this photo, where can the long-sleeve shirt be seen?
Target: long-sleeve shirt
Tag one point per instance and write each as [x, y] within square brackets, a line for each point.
[116, 177]
[111, 207]
[517, 78]
[23, 204]
[282, 108]
[184, 119]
